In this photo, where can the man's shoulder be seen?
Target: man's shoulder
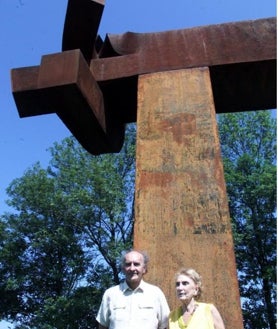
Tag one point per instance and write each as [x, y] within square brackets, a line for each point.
[150, 287]
[112, 290]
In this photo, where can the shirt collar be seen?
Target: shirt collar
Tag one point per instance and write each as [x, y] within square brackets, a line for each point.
[125, 287]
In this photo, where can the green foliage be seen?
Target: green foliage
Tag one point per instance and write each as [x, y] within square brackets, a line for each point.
[72, 312]
[60, 248]
[248, 143]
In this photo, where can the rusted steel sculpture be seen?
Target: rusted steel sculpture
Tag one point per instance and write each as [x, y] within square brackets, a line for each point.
[171, 83]
[101, 77]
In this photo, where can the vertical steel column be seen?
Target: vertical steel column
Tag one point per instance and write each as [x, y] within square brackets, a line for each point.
[181, 212]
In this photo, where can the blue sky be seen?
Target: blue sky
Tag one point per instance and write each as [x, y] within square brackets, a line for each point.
[32, 28]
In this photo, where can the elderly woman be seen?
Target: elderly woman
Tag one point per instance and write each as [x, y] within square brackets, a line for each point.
[192, 314]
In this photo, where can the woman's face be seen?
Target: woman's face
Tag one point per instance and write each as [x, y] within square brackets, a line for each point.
[186, 288]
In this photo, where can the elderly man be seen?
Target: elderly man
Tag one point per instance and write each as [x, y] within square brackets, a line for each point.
[134, 303]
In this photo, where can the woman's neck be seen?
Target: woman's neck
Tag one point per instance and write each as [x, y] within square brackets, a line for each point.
[189, 307]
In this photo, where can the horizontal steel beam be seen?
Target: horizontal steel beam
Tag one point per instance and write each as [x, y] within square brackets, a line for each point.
[140, 53]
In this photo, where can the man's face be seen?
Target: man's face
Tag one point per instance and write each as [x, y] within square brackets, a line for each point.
[134, 268]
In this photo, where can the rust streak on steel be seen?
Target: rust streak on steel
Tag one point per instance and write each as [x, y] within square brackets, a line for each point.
[229, 43]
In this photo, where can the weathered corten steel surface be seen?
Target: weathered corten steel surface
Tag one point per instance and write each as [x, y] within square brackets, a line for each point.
[182, 216]
[71, 91]
[241, 57]
[81, 26]
[221, 44]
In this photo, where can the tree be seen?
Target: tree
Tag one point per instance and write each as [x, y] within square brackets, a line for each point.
[248, 142]
[99, 191]
[41, 257]
[60, 248]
